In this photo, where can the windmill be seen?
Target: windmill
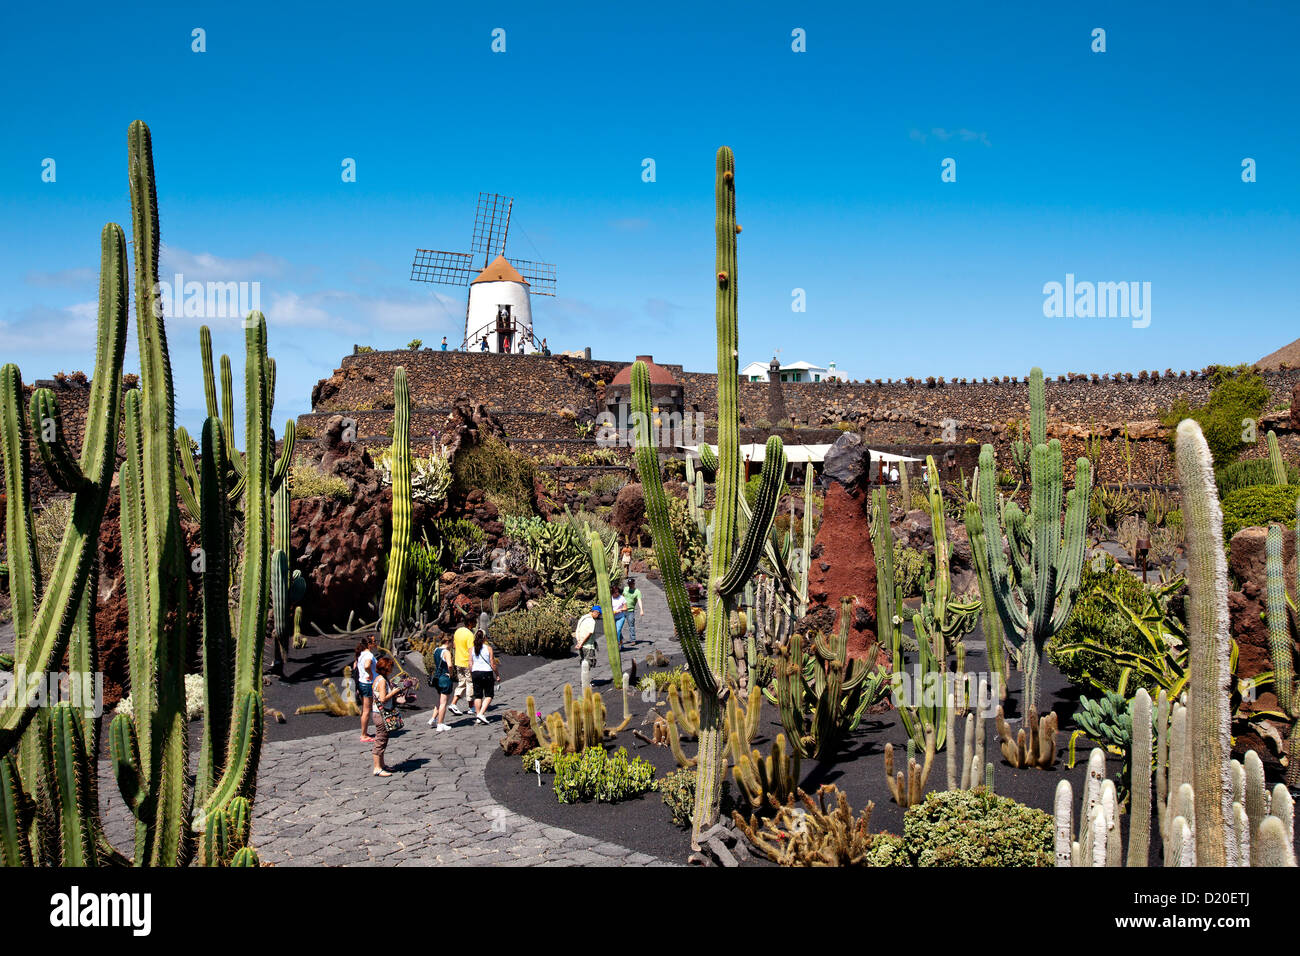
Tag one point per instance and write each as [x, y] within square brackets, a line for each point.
[498, 313]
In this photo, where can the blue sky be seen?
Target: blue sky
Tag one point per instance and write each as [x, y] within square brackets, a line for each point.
[1115, 166]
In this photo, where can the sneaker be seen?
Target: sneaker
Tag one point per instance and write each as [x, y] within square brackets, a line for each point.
[442, 727]
[433, 720]
[481, 719]
[456, 710]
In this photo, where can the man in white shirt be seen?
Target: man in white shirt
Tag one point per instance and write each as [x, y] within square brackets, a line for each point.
[584, 638]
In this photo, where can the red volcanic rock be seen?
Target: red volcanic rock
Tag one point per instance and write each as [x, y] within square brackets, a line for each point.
[519, 737]
[843, 564]
[628, 512]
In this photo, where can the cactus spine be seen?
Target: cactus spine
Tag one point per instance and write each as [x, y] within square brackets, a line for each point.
[607, 607]
[1275, 459]
[399, 552]
[1035, 583]
[1208, 663]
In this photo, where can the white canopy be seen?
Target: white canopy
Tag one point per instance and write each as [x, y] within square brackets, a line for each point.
[799, 454]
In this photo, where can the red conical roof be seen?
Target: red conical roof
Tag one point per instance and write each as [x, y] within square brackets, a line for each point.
[658, 374]
[500, 270]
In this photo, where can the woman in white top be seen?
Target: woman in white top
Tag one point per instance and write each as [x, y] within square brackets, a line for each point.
[483, 672]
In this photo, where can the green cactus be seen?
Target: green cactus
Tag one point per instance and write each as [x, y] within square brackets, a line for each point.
[990, 622]
[945, 616]
[1034, 591]
[399, 552]
[1275, 459]
[607, 607]
[707, 663]
[45, 600]
[1209, 667]
[287, 587]
[836, 689]
[1139, 827]
[1279, 627]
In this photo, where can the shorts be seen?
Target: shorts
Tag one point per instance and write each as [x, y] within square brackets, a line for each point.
[367, 690]
[444, 684]
[484, 684]
[464, 684]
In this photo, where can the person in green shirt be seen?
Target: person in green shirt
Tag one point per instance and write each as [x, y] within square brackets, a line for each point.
[635, 608]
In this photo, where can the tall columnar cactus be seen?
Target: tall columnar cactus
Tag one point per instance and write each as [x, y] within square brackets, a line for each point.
[990, 621]
[399, 552]
[45, 600]
[606, 607]
[287, 586]
[945, 616]
[1275, 459]
[1209, 666]
[1279, 627]
[889, 624]
[707, 663]
[1139, 828]
[1036, 581]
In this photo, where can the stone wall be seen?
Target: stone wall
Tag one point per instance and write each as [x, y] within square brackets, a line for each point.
[542, 400]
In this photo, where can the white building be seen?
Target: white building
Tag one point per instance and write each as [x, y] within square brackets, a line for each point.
[499, 311]
[794, 372]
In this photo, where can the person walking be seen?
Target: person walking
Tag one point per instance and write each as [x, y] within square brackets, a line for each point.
[620, 612]
[365, 671]
[463, 642]
[635, 606]
[443, 667]
[584, 638]
[385, 691]
[485, 675]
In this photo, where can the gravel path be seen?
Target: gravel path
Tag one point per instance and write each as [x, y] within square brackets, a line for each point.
[318, 804]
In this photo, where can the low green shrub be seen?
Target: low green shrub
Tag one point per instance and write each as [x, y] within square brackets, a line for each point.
[539, 755]
[596, 774]
[1096, 619]
[308, 481]
[660, 681]
[678, 792]
[977, 828]
[888, 849]
[912, 568]
[1249, 472]
[1259, 506]
[543, 630]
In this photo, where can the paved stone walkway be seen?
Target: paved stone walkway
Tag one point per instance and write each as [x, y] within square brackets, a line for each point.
[318, 804]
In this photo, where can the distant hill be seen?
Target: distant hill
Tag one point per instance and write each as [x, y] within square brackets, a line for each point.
[1286, 355]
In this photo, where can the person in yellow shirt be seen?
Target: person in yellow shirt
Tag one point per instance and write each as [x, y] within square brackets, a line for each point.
[463, 643]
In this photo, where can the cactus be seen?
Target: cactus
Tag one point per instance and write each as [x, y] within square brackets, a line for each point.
[581, 722]
[707, 663]
[990, 622]
[45, 600]
[925, 706]
[399, 551]
[1139, 759]
[764, 780]
[949, 618]
[1035, 591]
[1034, 744]
[1209, 665]
[839, 689]
[1279, 628]
[607, 605]
[908, 788]
[1275, 459]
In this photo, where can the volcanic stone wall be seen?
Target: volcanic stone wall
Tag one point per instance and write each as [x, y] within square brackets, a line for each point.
[541, 401]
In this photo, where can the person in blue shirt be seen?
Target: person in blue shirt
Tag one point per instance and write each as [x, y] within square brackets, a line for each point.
[444, 343]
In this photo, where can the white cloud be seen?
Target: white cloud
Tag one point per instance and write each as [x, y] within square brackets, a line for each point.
[41, 328]
[944, 135]
[207, 267]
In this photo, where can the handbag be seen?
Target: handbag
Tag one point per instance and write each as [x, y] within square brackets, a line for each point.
[393, 720]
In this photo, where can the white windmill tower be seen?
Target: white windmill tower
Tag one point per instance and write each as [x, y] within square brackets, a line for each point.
[498, 310]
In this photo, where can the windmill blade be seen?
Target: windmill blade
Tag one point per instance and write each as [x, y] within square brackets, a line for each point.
[491, 225]
[447, 268]
[540, 275]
